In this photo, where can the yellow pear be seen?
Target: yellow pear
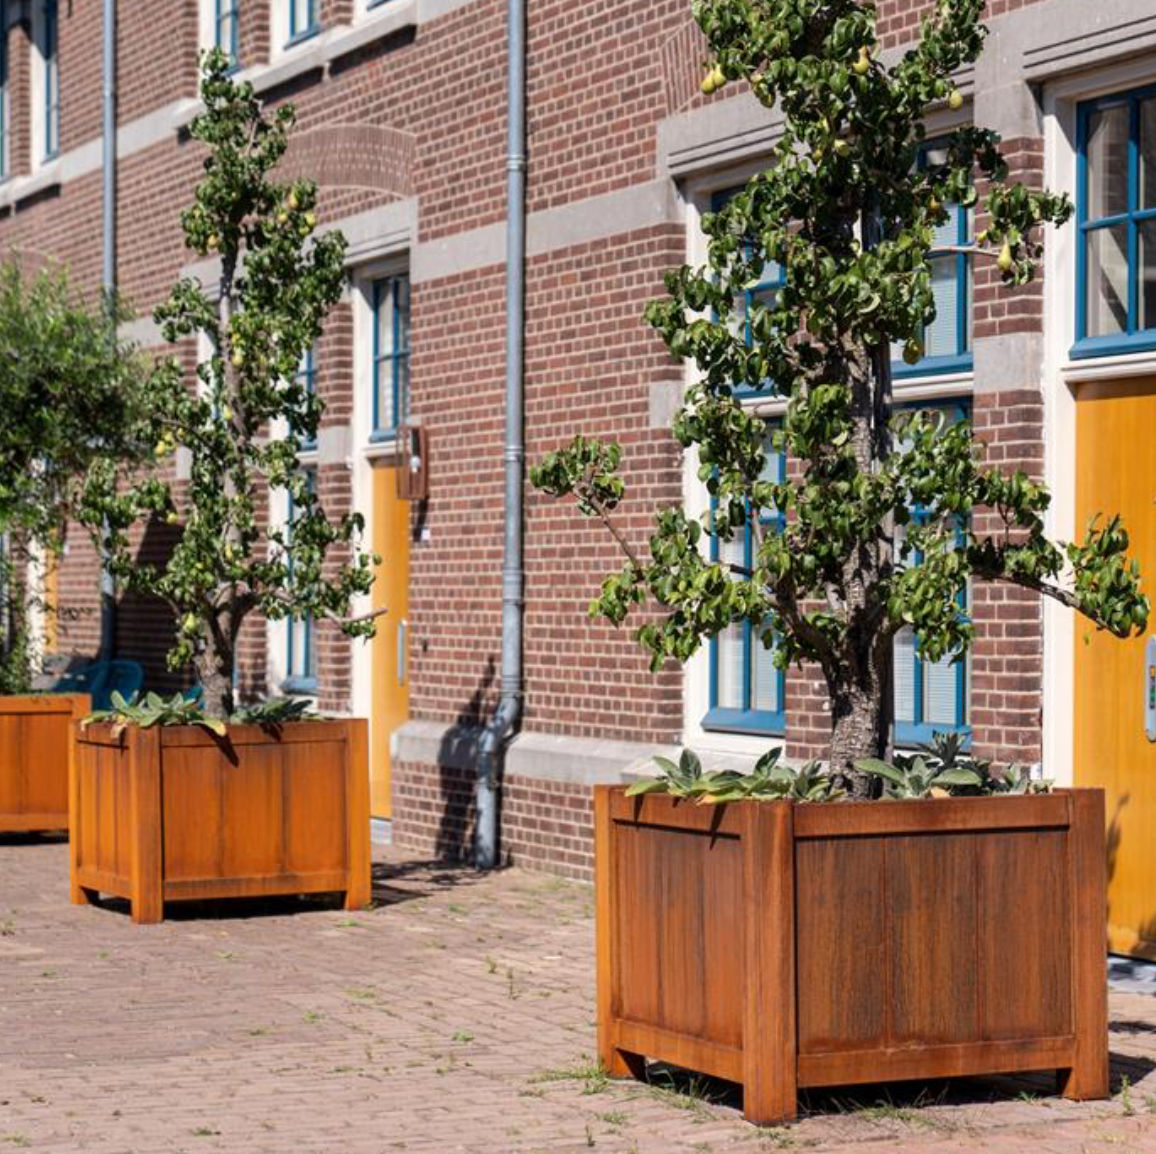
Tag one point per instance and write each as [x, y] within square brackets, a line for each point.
[912, 352]
[1005, 260]
[213, 241]
[955, 100]
[292, 201]
[863, 63]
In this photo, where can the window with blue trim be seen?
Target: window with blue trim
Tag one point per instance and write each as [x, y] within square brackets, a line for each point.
[227, 27]
[946, 340]
[304, 19]
[301, 652]
[49, 51]
[390, 355]
[306, 377]
[1116, 224]
[930, 697]
[747, 692]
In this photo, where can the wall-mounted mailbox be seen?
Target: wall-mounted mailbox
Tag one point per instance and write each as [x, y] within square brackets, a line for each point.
[1150, 689]
[413, 463]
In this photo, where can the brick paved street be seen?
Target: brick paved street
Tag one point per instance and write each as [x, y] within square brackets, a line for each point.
[455, 1016]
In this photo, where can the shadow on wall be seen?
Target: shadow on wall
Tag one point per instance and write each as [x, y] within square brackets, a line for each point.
[145, 625]
[457, 773]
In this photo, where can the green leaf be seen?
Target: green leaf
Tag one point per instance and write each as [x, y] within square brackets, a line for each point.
[647, 785]
[878, 768]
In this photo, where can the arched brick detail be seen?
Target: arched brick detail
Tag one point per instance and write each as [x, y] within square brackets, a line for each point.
[352, 156]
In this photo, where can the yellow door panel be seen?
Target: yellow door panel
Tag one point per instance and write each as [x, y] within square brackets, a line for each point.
[1116, 473]
[391, 644]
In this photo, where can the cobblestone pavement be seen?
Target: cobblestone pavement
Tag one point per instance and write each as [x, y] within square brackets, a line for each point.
[456, 1016]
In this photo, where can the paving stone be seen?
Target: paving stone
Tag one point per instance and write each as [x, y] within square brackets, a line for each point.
[456, 1017]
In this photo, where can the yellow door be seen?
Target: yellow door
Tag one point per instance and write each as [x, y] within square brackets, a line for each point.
[1116, 473]
[391, 644]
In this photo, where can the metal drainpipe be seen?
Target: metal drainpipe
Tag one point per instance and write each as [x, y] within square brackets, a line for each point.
[491, 748]
[108, 269]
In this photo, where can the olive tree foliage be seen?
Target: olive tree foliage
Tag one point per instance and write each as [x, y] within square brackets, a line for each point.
[846, 210]
[71, 394]
[243, 425]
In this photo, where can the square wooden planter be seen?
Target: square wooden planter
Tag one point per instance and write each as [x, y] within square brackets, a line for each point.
[35, 736]
[783, 946]
[173, 814]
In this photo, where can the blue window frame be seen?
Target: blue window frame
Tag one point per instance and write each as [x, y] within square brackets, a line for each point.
[304, 19]
[774, 276]
[390, 355]
[929, 697]
[1116, 224]
[747, 692]
[306, 376]
[50, 56]
[227, 27]
[947, 339]
[301, 652]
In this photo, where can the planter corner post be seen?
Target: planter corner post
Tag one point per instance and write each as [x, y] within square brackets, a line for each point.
[359, 890]
[146, 868]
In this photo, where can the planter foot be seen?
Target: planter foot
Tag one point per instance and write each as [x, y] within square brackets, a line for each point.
[1084, 1085]
[623, 1064]
[147, 913]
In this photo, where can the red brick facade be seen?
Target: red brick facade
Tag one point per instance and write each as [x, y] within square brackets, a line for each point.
[427, 99]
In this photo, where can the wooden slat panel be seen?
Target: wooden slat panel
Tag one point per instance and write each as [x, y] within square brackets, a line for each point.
[931, 944]
[253, 806]
[11, 763]
[931, 815]
[42, 703]
[192, 795]
[1024, 934]
[675, 813]
[841, 919]
[315, 806]
[850, 1068]
[680, 931]
[685, 1050]
[44, 761]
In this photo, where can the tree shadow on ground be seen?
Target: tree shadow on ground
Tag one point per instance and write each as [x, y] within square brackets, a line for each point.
[894, 1099]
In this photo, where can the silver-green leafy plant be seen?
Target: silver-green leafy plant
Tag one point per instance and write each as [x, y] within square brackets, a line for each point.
[770, 780]
[153, 710]
[850, 216]
[918, 776]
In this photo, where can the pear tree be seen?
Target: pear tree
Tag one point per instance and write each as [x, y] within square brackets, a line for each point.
[845, 208]
[241, 427]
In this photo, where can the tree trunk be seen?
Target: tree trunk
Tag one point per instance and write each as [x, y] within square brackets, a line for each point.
[215, 672]
[859, 728]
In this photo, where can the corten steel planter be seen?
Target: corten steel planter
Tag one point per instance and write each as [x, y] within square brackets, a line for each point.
[785, 946]
[35, 738]
[174, 813]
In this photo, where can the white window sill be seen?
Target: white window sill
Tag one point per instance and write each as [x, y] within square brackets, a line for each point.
[1109, 368]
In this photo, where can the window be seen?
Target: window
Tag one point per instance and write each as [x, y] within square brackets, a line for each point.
[301, 653]
[773, 277]
[49, 36]
[227, 27]
[930, 697]
[306, 374]
[747, 692]
[1116, 221]
[947, 339]
[304, 19]
[390, 355]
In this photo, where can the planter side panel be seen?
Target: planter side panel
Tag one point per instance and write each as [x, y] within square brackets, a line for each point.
[102, 826]
[34, 746]
[277, 810]
[679, 910]
[933, 940]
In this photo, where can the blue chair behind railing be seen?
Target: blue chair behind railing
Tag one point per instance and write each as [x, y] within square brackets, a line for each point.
[100, 678]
